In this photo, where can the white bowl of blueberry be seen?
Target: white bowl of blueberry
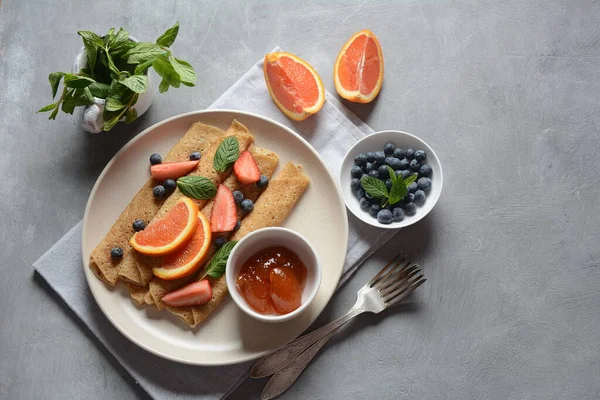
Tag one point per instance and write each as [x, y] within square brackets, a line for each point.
[391, 179]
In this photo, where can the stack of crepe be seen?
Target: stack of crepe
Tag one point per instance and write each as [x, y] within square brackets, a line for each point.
[272, 205]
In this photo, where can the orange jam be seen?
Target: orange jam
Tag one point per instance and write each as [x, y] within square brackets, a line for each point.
[272, 280]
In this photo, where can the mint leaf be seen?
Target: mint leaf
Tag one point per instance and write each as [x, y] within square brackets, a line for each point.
[121, 37]
[374, 187]
[137, 83]
[185, 71]
[397, 192]
[167, 38]
[54, 79]
[227, 153]
[392, 174]
[76, 98]
[92, 43]
[108, 125]
[142, 52]
[163, 67]
[197, 187]
[163, 86]
[77, 82]
[100, 90]
[47, 108]
[113, 104]
[130, 115]
[410, 179]
[141, 69]
[216, 266]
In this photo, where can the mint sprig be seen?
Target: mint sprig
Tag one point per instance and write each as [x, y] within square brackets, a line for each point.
[216, 266]
[197, 187]
[227, 154]
[376, 188]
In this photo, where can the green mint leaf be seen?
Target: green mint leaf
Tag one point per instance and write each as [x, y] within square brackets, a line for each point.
[76, 98]
[410, 179]
[374, 187]
[113, 104]
[163, 67]
[130, 115]
[142, 52]
[47, 108]
[167, 38]
[121, 37]
[92, 43]
[185, 71]
[137, 83]
[197, 187]
[100, 90]
[108, 125]
[216, 266]
[227, 153]
[141, 69]
[54, 79]
[54, 113]
[163, 86]
[77, 82]
[392, 174]
[397, 192]
[68, 105]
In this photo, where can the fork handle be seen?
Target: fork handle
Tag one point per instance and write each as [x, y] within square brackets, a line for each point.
[275, 361]
[283, 379]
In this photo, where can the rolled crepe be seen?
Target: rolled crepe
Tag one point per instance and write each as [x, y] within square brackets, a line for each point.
[199, 137]
[206, 169]
[267, 162]
[271, 209]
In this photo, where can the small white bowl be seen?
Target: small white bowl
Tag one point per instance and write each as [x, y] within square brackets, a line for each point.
[375, 142]
[269, 237]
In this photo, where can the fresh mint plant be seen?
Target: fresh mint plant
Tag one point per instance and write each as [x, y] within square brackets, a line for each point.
[376, 188]
[117, 72]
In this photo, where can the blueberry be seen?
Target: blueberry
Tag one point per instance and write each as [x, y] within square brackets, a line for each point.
[410, 209]
[420, 155]
[247, 205]
[370, 156]
[155, 159]
[139, 225]
[116, 252]
[356, 171]
[389, 148]
[415, 165]
[397, 214]
[394, 163]
[364, 204]
[237, 225]
[355, 184]
[374, 209]
[368, 196]
[385, 216]
[420, 197]
[220, 241]
[379, 157]
[425, 170]
[383, 172]
[263, 182]
[399, 153]
[360, 193]
[374, 173]
[368, 167]
[195, 156]
[360, 159]
[424, 184]
[388, 184]
[159, 191]
[169, 185]
[404, 163]
[238, 196]
[410, 154]
[413, 187]
[410, 198]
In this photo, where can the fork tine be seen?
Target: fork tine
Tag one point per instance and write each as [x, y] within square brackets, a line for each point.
[383, 270]
[395, 270]
[402, 295]
[402, 275]
[405, 281]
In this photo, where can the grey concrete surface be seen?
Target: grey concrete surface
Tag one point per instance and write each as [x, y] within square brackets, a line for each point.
[506, 92]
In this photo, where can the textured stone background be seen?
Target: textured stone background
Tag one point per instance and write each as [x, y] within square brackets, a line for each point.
[507, 92]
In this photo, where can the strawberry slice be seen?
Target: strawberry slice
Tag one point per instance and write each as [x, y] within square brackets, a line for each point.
[172, 170]
[195, 294]
[245, 169]
[224, 214]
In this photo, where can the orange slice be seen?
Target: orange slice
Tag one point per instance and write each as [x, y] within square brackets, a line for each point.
[170, 232]
[190, 257]
[294, 85]
[358, 71]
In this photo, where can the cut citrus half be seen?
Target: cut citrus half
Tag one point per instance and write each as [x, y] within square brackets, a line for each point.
[170, 232]
[294, 85]
[358, 71]
[190, 257]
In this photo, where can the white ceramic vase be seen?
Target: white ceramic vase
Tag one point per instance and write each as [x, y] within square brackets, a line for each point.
[92, 120]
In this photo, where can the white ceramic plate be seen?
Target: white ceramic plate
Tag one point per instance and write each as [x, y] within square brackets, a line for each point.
[229, 336]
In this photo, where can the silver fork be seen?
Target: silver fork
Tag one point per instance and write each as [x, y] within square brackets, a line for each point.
[393, 283]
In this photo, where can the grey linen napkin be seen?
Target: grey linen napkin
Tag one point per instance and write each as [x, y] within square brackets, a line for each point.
[331, 132]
